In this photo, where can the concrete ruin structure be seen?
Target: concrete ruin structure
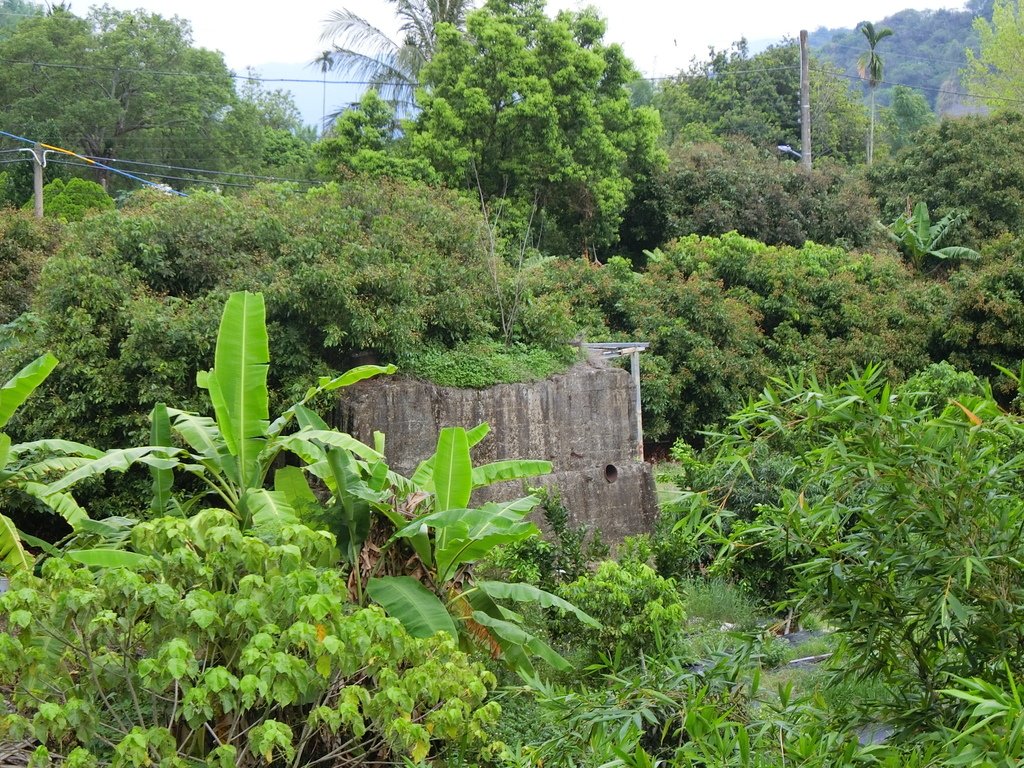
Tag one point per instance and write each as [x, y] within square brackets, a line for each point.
[583, 421]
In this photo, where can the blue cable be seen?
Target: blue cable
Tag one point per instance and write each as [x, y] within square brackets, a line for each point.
[97, 164]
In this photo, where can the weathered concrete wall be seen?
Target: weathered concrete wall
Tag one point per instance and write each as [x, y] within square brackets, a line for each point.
[580, 421]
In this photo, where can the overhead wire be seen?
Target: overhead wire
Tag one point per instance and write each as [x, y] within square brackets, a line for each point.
[214, 182]
[899, 55]
[201, 170]
[90, 162]
[171, 73]
[929, 88]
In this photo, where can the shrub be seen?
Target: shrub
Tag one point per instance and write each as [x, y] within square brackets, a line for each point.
[73, 200]
[984, 320]
[911, 549]
[486, 363]
[640, 611]
[25, 244]
[229, 648]
[934, 386]
[712, 188]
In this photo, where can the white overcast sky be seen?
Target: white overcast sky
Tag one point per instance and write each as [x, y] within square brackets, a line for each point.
[280, 39]
[661, 36]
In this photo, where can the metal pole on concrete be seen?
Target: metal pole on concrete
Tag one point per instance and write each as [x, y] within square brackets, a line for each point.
[634, 368]
[37, 179]
[805, 103]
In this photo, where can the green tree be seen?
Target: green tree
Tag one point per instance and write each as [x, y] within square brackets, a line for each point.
[870, 67]
[735, 94]
[711, 188]
[105, 93]
[907, 114]
[994, 72]
[391, 67]
[365, 140]
[537, 110]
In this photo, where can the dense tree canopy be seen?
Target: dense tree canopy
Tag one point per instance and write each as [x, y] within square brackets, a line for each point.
[537, 109]
[132, 86]
[733, 93]
[970, 164]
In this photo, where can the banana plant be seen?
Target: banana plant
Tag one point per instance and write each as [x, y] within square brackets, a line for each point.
[919, 237]
[27, 467]
[233, 452]
[449, 537]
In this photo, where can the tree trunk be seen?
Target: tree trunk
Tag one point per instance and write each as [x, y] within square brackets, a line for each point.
[871, 130]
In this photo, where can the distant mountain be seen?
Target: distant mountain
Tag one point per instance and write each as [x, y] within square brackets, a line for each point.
[926, 52]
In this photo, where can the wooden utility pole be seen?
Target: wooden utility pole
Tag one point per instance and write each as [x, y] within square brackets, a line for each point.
[805, 103]
[37, 179]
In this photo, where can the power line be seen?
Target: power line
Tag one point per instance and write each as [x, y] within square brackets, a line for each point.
[929, 88]
[199, 170]
[167, 73]
[173, 178]
[93, 163]
[906, 56]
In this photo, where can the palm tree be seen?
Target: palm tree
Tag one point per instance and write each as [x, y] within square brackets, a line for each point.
[325, 61]
[869, 67]
[391, 68]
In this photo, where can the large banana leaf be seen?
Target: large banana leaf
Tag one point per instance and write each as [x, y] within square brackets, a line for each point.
[423, 477]
[466, 535]
[327, 437]
[516, 642]
[406, 599]
[291, 482]
[66, 447]
[23, 384]
[527, 593]
[514, 510]
[13, 557]
[238, 382]
[60, 502]
[200, 432]
[267, 509]
[118, 460]
[956, 252]
[109, 558]
[453, 477]
[512, 469]
[44, 468]
[351, 510]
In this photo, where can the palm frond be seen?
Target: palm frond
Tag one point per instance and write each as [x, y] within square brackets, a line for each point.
[346, 30]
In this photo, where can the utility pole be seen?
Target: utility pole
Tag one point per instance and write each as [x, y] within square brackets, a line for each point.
[38, 160]
[805, 103]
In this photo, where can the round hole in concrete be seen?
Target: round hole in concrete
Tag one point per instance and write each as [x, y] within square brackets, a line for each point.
[611, 473]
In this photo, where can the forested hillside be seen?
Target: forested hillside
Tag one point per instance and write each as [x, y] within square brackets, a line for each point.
[928, 56]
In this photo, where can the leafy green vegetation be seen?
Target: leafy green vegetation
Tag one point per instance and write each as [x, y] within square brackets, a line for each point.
[485, 364]
[225, 579]
[74, 200]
